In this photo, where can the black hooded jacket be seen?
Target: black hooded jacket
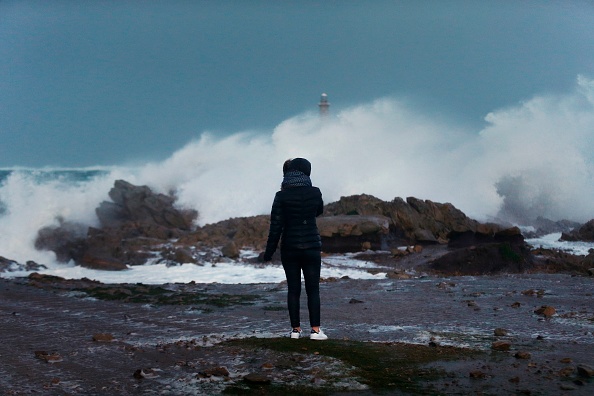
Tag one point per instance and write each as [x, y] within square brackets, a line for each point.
[293, 216]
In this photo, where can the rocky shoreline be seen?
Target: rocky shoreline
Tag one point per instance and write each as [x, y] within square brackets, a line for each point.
[465, 308]
[518, 334]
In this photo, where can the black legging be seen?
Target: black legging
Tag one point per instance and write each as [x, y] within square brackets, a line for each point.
[310, 262]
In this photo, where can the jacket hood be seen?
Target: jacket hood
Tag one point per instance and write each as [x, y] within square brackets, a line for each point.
[300, 164]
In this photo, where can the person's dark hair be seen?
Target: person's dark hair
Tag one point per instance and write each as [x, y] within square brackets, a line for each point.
[300, 164]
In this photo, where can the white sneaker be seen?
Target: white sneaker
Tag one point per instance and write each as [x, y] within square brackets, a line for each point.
[295, 333]
[317, 335]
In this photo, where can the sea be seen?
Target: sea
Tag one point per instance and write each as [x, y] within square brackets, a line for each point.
[31, 199]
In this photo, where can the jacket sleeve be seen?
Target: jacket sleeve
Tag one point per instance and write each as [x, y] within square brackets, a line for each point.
[276, 228]
[320, 208]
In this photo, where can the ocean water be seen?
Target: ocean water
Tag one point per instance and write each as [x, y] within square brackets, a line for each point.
[31, 199]
[531, 159]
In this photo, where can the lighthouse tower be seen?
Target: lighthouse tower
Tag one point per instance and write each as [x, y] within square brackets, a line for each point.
[324, 105]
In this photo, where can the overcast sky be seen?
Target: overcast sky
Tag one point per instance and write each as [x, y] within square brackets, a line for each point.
[86, 83]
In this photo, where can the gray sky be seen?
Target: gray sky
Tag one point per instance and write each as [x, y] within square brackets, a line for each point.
[86, 83]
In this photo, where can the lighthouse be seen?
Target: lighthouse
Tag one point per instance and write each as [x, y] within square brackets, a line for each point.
[324, 105]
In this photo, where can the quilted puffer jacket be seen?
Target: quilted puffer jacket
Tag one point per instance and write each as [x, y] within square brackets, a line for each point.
[293, 218]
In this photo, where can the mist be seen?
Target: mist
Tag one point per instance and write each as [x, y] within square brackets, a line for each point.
[532, 159]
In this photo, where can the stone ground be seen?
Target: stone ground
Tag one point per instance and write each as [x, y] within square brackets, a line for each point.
[390, 336]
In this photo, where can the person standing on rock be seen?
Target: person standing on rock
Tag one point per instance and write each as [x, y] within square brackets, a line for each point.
[293, 223]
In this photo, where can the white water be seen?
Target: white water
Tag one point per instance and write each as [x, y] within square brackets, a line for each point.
[223, 272]
[533, 158]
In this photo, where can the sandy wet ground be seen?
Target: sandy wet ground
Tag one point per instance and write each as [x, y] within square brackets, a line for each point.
[460, 311]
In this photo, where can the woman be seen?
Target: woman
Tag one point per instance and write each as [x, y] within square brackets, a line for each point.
[293, 222]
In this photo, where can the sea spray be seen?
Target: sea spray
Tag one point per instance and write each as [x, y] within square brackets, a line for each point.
[532, 158]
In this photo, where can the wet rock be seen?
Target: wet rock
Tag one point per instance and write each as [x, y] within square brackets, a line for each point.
[183, 256]
[585, 371]
[566, 360]
[343, 233]
[398, 275]
[477, 374]
[546, 311]
[523, 355]
[355, 301]
[147, 373]
[53, 357]
[102, 337]
[140, 204]
[584, 233]
[411, 221]
[566, 372]
[516, 305]
[567, 387]
[591, 271]
[7, 265]
[230, 250]
[486, 258]
[214, 372]
[501, 346]
[66, 240]
[89, 260]
[544, 226]
[257, 378]
[499, 332]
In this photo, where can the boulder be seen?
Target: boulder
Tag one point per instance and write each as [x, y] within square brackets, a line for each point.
[7, 265]
[474, 253]
[344, 233]
[66, 240]
[140, 204]
[411, 221]
[230, 250]
[584, 233]
[542, 226]
[133, 227]
[501, 346]
[546, 310]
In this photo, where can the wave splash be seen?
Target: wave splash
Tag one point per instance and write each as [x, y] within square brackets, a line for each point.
[532, 159]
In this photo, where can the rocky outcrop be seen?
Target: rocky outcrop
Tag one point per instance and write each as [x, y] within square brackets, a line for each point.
[349, 233]
[542, 226]
[134, 226]
[138, 225]
[413, 221]
[7, 265]
[139, 204]
[584, 233]
[477, 253]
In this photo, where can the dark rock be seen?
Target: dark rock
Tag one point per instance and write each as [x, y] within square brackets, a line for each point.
[66, 240]
[353, 233]
[230, 250]
[543, 226]
[477, 374]
[102, 337]
[183, 256]
[507, 253]
[7, 265]
[585, 371]
[413, 221]
[256, 378]
[140, 204]
[584, 233]
[215, 372]
[522, 355]
[501, 346]
[546, 311]
[499, 332]
[101, 263]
